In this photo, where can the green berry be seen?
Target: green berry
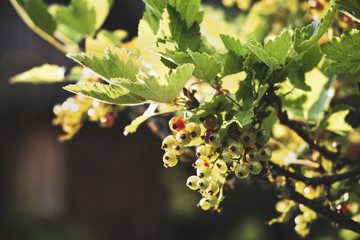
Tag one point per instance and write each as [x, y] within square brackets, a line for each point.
[214, 140]
[225, 156]
[203, 151]
[248, 139]
[264, 154]
[241, 171]
[262, 137]
[203, 172]
[178, 148]
[183, 137]
[202, 183]
[170, 159]
[194, 130]
[210, 121]
[252, 155]
[213, 188]
[235, 148]
[221, 165]
[205, 204]
[191, 182]
[255, 167]
[168, 142]
[213, 200]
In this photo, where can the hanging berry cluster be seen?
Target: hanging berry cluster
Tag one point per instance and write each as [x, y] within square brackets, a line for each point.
[240, 152]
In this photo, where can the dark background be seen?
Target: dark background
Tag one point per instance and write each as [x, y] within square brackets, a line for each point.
[101, 184]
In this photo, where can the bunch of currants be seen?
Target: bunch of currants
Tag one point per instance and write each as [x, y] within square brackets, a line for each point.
[239, 151]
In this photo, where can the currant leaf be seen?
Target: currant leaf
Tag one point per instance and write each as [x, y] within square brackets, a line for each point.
[309, 35]
[35, 14]
[158, 89]
[43, 74]
[257, 49]
[335, 120]
[234, 45]
[206, 66]
[113, 63]
[111, 93]
[343, 53]
[349, 6]
[279, 47]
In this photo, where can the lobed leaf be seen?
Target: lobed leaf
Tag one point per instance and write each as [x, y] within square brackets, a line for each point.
[343, 53]
[111, 93]
[113, 63]
[279, 47]
[43, 74]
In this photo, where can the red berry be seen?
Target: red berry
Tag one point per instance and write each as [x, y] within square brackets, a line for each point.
[208, 134]
[107, 121]
[345, 209]
[317, 5]
[176, 124]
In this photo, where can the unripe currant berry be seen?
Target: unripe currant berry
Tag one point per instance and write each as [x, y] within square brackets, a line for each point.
[178, 148]
[264, 154]
[170, 159]
[262, 137]
[221, 165]
[203, 151]
[208, 133]
[214, 140]
[213, 188]
[205, 204]
[183, 137]
[177, 124]
[235, 148]
[252, 155]
[210, 121]
[202, 183]
[200, 163]
[191, 182]
[255, 167]
[203, 172]
[241, 171]
[168, 142]
[213, 200]
[194, 130]
[225, 156]
[248, 139]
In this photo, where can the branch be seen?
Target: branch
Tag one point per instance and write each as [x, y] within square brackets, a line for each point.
[340, 220]
[294, 125]
[326, 180]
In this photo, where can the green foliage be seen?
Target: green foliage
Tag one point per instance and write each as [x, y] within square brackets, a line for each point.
[113, 63]
[349, 6]
[335, 120]
[158, 89]
[43, 74]
[111, 93]
[342, 53]
[280, 47]
[36, 12]
[308, 36]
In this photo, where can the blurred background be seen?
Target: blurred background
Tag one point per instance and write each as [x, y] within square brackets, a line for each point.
[101, 184]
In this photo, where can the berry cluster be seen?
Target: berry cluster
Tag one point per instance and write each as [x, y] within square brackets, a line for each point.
[240, 152]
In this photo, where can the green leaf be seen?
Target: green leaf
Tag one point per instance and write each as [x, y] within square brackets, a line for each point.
[215, 104]
[42, 74]
[280, 47]
[184, 37]
[153, 21]
[234, 45]
[315, 33]
[297, 76]
[159, 89]
[156, 7]
[206, 67]
[312, 104]
[246, 116]
[84, 16]
[233, 63]
[111, 93]
[343, 53]
[257, 49]
[113, 63]
[311, 58]
[35, 14]
[188, 10]
[349, 6]
[335, 120]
